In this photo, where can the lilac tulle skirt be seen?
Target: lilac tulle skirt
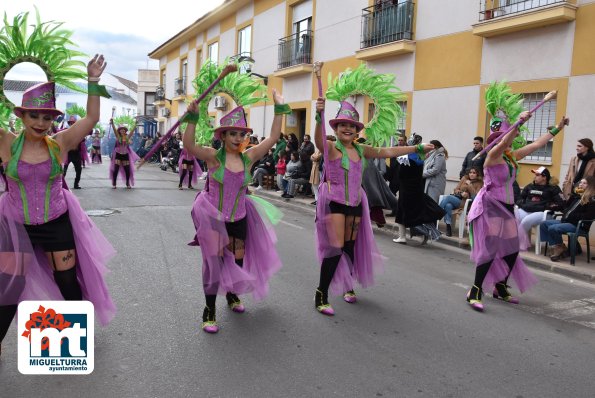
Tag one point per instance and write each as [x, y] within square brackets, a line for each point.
[85, 154]
[367, 261]
[496, 233]
[196, 170]
[132, 158]
[25, 273]
[220, 273]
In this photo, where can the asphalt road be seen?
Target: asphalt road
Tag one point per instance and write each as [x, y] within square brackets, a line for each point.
[411, 335]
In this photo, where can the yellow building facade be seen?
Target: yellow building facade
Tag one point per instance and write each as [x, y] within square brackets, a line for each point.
[443, 54]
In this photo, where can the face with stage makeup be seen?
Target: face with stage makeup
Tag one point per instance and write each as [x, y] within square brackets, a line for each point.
[37, 124]
[233, 139]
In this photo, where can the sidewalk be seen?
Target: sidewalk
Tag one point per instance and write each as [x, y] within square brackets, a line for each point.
[581, 270]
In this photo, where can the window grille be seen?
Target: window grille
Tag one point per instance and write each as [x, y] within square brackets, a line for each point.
[538, 124]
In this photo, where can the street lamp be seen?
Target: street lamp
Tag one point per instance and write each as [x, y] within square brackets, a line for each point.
[250, 61]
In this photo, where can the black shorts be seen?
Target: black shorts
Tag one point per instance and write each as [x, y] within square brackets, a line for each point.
[122, 156]
[237, 229]
[340, 208]
[190, 162]
[96, 147]
[53, 236]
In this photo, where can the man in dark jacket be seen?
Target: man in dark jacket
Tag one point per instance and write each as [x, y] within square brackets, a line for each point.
[538, 197]
[469, 162]
[307, 148]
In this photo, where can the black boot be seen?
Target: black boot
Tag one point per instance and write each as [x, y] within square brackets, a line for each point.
[321, 303]
[209, 322]
[234, 303]
[448, 230]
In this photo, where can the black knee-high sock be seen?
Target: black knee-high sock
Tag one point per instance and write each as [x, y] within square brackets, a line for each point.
[210, 300]
[182, 176]
[327, 271]
[349, 249]
[510, 260]
[68, 284]
[480, 273]
[7, 312]
[190, 172]
[240, 262]
[115, 176]
[127, 172]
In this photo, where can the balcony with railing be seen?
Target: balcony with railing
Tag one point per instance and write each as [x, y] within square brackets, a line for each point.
[180, 86]
[498, 17]
[386, 29]
[295, 54]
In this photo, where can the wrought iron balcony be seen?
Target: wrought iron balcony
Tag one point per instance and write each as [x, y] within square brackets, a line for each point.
[295, 49]
[490, 9]
[180, 85]
[389, 21]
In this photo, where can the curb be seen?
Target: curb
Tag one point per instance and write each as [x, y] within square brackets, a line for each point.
[451, 244]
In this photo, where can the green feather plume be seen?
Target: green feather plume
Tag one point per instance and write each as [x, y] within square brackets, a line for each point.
[243, 89]
[381, 89]
[47, 45]
[499, 97]
[126, 120]
[502, 102]
[76, 110]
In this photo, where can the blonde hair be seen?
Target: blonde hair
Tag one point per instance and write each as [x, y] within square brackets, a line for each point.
[589, 191]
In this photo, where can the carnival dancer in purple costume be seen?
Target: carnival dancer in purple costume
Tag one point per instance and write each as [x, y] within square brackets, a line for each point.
[122, 157]
[188, 168]
[237, 243]
[345, 240]
[494, 230]
[96, 147]
[50, 248]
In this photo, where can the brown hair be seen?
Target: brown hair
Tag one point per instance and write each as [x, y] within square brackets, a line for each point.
[589, 191]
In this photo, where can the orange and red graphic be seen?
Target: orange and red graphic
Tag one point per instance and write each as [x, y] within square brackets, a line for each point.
[43, 319]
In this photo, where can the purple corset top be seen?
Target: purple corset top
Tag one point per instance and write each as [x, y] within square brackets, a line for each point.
[497, 181]
[122, 147]
[33, 206]
[345, 190]
[232, 201]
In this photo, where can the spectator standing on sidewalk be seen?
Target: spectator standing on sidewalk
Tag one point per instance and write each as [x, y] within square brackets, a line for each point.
[468, 162]
[434, 172]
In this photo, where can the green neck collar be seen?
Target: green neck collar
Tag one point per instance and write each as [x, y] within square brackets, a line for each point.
[220, 172]
[345, 157]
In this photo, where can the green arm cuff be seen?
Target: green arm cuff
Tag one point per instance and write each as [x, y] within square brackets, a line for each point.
[419, 148]
[318, 118]
[190, 118]
[98, 90]
[282, 109]
[554, 131]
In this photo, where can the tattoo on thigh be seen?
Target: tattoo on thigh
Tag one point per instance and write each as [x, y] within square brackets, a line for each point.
[67, 257]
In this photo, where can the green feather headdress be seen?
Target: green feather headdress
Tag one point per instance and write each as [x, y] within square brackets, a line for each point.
[243, 89]
[76, 110]
[47, 45]
[501, 102]
[380, 88]
[125, 120]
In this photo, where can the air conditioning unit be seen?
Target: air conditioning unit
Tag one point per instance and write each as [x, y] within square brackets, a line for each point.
[165, 112]
[220, 102]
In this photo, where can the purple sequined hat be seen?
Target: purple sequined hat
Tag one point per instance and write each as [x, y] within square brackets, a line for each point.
[346, 114]
[39, 98]
[234, 120]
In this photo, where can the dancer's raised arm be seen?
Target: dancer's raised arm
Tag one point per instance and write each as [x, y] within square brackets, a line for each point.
[203, 153]
[259, 151]
[71, 137]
